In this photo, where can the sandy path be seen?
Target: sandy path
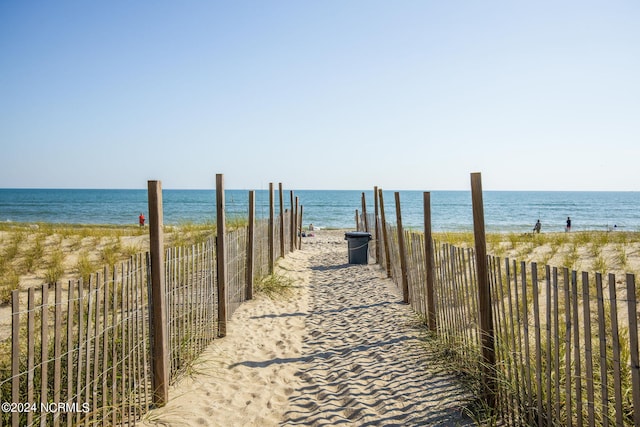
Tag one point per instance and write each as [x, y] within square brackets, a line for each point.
[343, 350]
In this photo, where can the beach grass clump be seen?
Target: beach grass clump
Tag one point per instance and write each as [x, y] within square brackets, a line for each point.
[55, 267]
[132, 249]
[571, 257]
[189, 233]
[35, 253]
[275, 285]
[462, 239]
[111, 253]
[12, 250]
[237, 222]
[85, 267]
[599, 264]
[621, 256]
[9, 281]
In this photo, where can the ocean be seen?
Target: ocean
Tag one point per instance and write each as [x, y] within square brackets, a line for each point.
[505, 211]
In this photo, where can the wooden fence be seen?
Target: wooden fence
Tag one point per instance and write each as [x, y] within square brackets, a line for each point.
[565, 342]
[83, 356]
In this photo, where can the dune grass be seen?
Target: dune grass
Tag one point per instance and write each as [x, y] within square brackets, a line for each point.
[275, 286]
[615, 252]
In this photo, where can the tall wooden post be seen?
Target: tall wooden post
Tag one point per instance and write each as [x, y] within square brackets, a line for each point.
[364, 213]
[403, 252]
[300, 238]
[281, 217]
[376, 227]
[385, 234]
[484, 291]
[251, 243]
[429, 263]
[221, 256]
[272, 248]
[357, 220]
[159, 344]
[292, 244]
[295, 223]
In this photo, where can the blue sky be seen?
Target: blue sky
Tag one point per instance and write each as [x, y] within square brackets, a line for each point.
[540, 95]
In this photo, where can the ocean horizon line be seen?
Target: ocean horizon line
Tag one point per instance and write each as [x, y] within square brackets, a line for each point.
[316, 189]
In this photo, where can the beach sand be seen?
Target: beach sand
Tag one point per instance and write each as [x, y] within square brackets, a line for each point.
[342, 349]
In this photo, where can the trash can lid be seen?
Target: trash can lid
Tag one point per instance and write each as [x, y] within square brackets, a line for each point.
[357, 234]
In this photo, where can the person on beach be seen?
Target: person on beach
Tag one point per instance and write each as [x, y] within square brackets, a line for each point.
[141, 219]
[537, 227]
[568, 225]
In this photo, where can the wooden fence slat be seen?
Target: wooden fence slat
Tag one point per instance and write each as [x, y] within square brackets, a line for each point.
[31, 352]
[44, 352]
[633, 346]
[513, 365]
[615, 349]
[504, 334]
[588, 351]
[556, 342]
[96, 349]
[57, 349]
[526, 337]
[577, 359]
[548, 357]
[538, 341]
[106, 332]
[70, 347]
[567, 343]
[602, 336]
[15, 354]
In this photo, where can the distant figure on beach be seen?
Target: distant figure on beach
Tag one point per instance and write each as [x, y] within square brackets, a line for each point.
[537, 227]
[141, 219]
[310, 227]
[568, 225]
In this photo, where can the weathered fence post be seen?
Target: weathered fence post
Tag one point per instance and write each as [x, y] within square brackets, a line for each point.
[159, 344]
[385, 234]
[251, 243]
[429, 264]
[281, 217]
[376, 219]
[633, 346]
[300, 229]
[296, 223]
[484, 292]
[221, 256]
[292, 244]
[357, 220]
[364, 213]
[403, 252]
[272, 248]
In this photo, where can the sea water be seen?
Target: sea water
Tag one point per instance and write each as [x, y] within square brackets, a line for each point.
[505, 211]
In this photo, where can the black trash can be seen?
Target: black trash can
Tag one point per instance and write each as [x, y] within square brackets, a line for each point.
[358, 243]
